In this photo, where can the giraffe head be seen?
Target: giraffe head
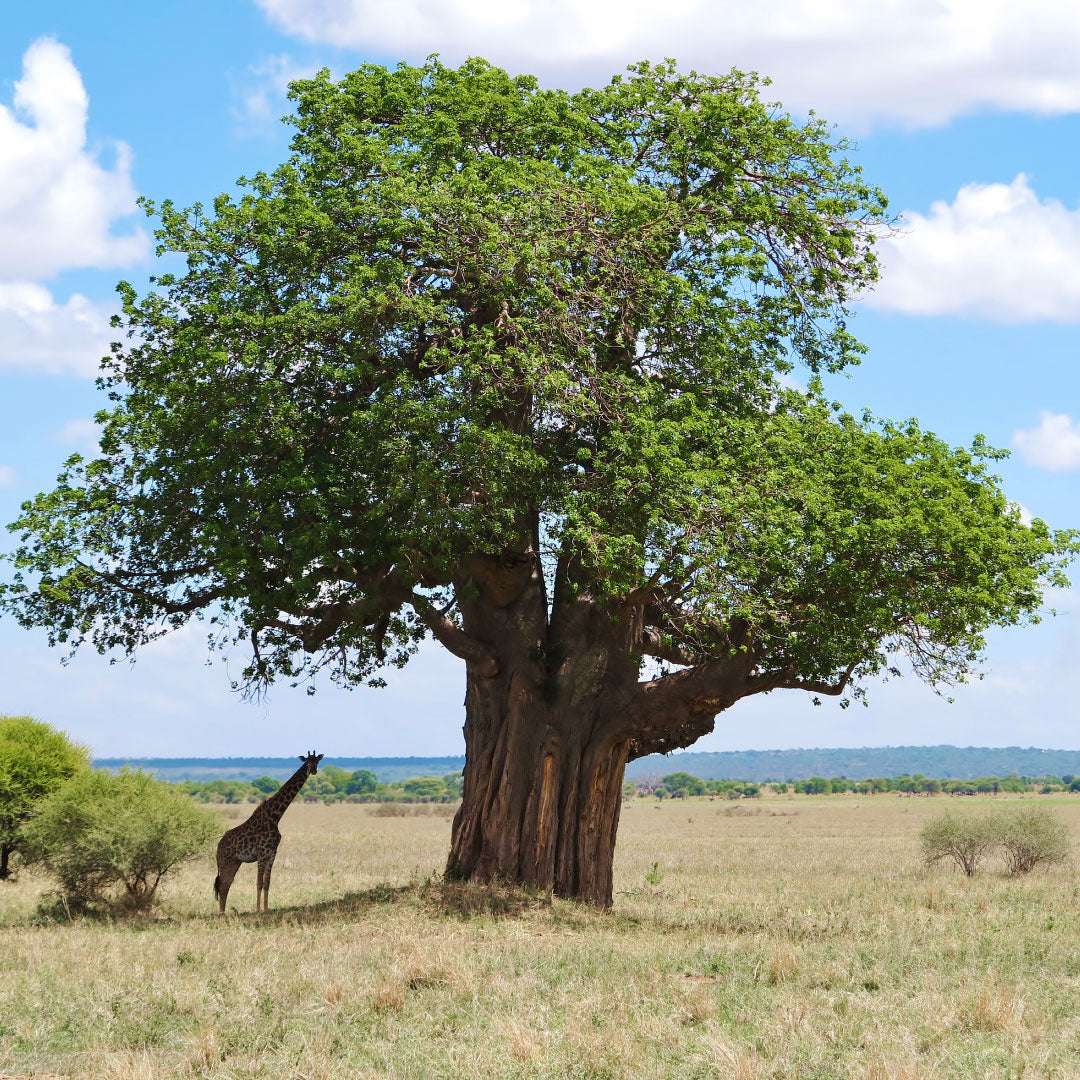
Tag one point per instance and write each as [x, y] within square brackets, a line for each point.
[312, 762]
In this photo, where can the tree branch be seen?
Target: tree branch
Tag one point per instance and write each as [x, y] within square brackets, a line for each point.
[653, 643]
[783, 679]
[454, 639]
[168, 607]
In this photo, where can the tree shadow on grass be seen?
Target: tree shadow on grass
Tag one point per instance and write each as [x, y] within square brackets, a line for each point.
[433, 897]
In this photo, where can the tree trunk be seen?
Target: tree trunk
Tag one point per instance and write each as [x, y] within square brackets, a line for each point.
[546, 738]
[543, 787]
[5, 852]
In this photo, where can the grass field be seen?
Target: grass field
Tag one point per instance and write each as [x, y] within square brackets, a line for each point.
[791, 938]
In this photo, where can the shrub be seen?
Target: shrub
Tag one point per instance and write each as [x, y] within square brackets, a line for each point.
[964, 838]
[35, 759]
[102, 834]
[1030, 836]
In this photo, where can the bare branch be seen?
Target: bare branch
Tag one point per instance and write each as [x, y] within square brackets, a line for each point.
[653, 643]
[453, 638]
[784, 679]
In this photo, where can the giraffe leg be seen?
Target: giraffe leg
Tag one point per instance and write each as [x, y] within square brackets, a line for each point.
[226, 872]
[266, 864]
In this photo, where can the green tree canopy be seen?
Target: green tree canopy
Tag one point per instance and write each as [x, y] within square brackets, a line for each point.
[682, 784]
[35, 759]
[426, 788]
[265, 785]
[361, 782]
[503, 365]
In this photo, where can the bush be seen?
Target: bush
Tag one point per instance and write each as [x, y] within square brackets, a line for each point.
[35, 759]
[103, 834]
[964, 838]
[1030, 836]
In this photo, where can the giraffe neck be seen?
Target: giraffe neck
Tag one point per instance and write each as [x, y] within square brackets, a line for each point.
[278, 803]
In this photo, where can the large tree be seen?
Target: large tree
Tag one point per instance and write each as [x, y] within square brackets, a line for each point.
[505, 366]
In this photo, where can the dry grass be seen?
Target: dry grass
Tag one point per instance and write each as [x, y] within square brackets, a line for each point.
[802, 941]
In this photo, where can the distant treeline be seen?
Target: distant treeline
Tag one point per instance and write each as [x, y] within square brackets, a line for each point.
[331, 784]
[386, 770]
[945, 762]
[681, 785]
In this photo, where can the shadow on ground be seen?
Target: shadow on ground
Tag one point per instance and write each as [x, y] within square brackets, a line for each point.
[462, 900]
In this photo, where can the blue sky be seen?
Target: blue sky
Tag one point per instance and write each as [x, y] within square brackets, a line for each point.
[967, 115]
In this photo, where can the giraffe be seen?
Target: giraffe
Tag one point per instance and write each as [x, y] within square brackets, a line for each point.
[258, 838]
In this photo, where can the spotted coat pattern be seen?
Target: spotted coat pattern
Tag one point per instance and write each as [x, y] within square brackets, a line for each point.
[257, 839]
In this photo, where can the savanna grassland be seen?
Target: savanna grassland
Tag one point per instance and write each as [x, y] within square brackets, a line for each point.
[785, 937]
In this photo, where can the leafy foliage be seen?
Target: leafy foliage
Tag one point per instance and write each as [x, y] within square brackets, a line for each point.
[101, 831]
[35, 759]
[681, 784]
[472, 316]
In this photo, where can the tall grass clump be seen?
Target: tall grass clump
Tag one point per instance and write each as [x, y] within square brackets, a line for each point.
[109, 840]
[964, 838]
[1030, 836]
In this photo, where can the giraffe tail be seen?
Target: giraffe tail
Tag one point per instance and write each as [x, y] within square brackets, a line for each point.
[217, 886]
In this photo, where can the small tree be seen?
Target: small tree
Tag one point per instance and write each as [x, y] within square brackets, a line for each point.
[1030, 836]
[425, 789]
[362, 782]
[35, 759]
[101, 832]
[336, 776]
[963, 838]
[680, 784]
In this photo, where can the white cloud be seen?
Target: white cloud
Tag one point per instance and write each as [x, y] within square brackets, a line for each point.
[259, 96]
[82, 433]
[38, 333]
[59, 208]
[1054, 444]
[8, 476]
[1026, 516]
[58, 202]
[996, 252]
[916, 62]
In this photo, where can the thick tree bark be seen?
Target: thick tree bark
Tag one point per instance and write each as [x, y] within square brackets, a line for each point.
[547, 736]
[5, 852]
[543, 787]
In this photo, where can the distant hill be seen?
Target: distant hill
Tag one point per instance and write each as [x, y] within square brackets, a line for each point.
[940, 762]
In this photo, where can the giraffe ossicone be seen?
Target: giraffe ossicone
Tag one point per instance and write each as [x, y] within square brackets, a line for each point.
[257, 839]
